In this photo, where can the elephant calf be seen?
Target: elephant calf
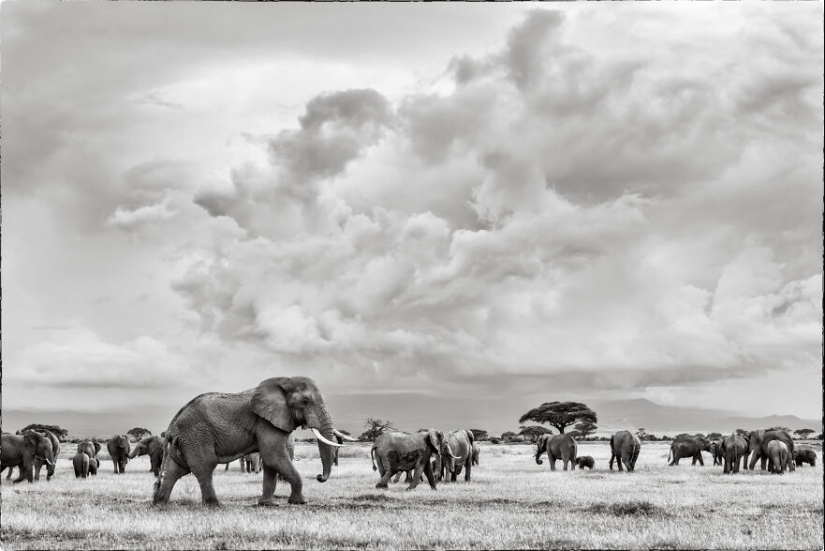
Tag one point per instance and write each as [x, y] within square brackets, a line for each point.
[585, 461]
[81, 465]
[94, 463]
[778, 454]
[804, 456]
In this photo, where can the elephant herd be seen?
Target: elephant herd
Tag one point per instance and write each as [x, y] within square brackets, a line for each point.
[256, 425]
[773, 448]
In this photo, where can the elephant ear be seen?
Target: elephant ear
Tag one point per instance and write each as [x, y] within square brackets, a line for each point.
[470, 437]
[269, 401]
[97, 447]
[433, 441]
[30, 441]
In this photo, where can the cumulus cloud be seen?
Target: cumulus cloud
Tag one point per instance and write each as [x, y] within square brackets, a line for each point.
[549, 258]
[78, 357]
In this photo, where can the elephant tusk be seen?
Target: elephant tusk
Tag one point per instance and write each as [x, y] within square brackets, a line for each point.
[343, 436]
[321, 438]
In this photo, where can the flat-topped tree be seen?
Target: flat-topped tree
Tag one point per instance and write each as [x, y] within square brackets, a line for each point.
[804, 433]
[560, 414]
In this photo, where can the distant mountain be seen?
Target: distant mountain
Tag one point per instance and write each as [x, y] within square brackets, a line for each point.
[411, 411]
[642, 413]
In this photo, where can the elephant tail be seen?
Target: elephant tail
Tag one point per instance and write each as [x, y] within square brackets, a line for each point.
[372, 458]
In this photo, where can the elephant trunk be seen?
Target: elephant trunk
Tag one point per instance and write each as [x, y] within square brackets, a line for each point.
[538, 457]
[326, 451]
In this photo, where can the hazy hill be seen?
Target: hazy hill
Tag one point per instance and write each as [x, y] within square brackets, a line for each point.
[661, 418]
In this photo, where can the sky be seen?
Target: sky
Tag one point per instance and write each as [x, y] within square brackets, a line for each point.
[481, 206]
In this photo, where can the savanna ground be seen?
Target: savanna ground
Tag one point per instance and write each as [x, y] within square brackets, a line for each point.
[510, 503]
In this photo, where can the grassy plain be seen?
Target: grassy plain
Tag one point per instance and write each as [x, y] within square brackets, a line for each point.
[510, 503]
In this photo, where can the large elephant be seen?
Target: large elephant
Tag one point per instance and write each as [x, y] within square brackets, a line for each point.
[804, 455]
[461, 448]
[398, 451]
[38, 463]
[624, 448]
[153, 447]
[89, 448]
[779, 455]
[734, 449]
[81, 465]
[119, 447]
[22, 451]
[221, 427]
[557, 446]
[688, 447]
[758, 445]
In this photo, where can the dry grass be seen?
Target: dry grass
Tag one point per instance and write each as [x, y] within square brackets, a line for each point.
[511, 503]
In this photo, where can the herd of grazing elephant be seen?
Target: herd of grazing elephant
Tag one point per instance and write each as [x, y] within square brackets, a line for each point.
[256, 426]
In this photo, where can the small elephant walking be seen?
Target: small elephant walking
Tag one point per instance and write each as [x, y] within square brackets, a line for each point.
[734, 451]
[461, 445]
[688, 447]
[81, 465]
[119, 447]
[94, 463]
[716, 453]
[557, 446]
[585, 461]
[153, 447]
[624, 448]
[400, 451]
[778, 453]
[804, 456]
[476, 453]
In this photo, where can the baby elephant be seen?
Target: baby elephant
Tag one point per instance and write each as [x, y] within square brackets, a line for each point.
[94, 463]
[585, 461]
[778, 454]
[804, 456]
[81, 465]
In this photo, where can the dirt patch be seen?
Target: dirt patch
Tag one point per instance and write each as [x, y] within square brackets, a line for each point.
[626, 509]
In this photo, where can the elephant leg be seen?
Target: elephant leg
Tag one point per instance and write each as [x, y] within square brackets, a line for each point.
[382, 484]
[280, 462]
[763, 459]
[203, 472]
[114, 464]
[699, 457]
[26, 473]
[397, 477]
[419, 468]
[170, 473]
[428, 471]
[469, 468]
[619, 463]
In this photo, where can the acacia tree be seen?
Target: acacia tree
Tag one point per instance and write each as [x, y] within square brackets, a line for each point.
[138, 433]
[560, 414]
[375, 428]
[54, 429]
[804, 433]
[533, 432]
[582, 429]
[479, 434]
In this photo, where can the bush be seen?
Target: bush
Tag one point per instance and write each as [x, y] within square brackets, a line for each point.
[495, 440]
